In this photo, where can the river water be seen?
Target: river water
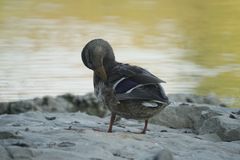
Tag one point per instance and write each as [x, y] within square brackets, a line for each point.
[193, 45]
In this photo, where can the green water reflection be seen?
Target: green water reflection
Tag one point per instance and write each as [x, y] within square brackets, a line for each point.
[208, 31]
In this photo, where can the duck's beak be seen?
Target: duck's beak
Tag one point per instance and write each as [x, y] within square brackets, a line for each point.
[100, 71]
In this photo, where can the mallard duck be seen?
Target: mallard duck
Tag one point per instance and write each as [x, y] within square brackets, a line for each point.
[128, 91]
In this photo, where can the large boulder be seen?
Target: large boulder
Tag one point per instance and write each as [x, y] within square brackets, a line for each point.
[202, 119]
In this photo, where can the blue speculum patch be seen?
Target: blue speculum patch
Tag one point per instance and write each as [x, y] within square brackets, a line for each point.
[125, 85]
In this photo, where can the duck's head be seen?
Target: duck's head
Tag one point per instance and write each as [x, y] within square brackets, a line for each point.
[98, 56]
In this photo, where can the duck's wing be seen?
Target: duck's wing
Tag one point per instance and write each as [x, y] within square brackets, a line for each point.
[135, 83]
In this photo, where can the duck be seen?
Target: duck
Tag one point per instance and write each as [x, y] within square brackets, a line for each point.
[128, 91]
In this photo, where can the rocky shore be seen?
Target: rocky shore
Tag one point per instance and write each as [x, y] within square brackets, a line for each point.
[74, 127]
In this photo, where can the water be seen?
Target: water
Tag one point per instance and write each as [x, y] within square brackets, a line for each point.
[193, 45]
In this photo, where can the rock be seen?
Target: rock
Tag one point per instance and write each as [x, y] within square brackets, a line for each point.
[88, 139]
[226, 128]
[51, 104]
[202, 119]
[191, 98]
[4, 153]
[184, 115]
[20, 153]
[201, 114]
[236, 112]
[164, 154]
[21, 106]
[50, 118]
[232, 116]
[66, 144]
[8, 135]
[64, 103]
[21, 144]
[88, 104]
[4, 108]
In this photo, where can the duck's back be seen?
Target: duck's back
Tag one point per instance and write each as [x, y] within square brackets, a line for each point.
[132, 82]
[138, 92]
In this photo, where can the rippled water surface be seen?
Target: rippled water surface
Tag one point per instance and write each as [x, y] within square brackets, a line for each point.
[193, 45]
